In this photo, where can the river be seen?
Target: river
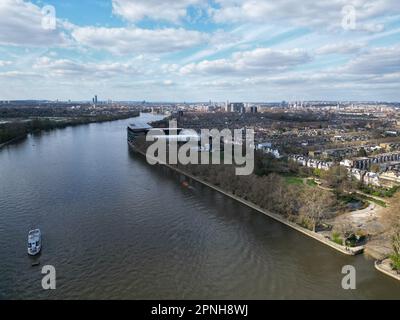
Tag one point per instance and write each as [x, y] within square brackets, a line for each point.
[115, 227]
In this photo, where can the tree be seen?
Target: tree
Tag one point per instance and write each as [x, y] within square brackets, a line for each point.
[337, 177]
[343, 229]
[395, 256]
[293, 166]
[315, 207]
[362, 153]
[265, 164]
[375, 168]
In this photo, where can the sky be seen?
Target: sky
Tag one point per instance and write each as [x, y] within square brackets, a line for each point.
[198, 50]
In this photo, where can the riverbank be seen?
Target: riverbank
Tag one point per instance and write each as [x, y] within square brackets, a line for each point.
[18, 130]
[319, 237]
[385, 267]
[16, 139]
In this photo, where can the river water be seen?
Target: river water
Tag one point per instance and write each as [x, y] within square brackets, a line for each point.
[115, 227]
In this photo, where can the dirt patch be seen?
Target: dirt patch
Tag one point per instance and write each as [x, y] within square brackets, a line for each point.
[380, 245]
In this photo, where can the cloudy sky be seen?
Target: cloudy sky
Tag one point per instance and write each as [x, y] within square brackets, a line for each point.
[199, 50]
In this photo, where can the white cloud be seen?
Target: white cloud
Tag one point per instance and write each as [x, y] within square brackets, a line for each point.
[249, 62]
[21, 24]
[4, 63]
[377, 68]
[376, 61]
[143, 64]
[340, 48]
[307, 13]
[69, 68]
[137, 40]
[18, 74]
[167, 10]
[168, 82]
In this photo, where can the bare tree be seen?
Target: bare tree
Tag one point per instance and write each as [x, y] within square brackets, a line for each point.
[315, 206]
[336, 177]
[395, 257]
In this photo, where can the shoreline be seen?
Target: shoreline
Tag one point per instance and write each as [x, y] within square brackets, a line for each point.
[13, 140]
[316, 236]
[384, 267]
[71, 124]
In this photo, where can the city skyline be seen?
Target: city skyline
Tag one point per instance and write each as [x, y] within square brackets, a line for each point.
[191, 50]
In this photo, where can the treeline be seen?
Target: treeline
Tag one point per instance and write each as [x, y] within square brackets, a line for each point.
[25, 112]
[20, 129]
[305, 205]
[11, 131]
[55, 111]
[267, 187]
[296, 117]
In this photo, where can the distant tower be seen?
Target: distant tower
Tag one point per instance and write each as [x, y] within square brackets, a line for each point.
[95, 99]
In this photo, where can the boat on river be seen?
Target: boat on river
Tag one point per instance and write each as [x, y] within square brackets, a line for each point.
[34, 242]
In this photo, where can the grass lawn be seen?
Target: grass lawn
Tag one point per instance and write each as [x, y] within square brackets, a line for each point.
[293, 180]
[311, 182]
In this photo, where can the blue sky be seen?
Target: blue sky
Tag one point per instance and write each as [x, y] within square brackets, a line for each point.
[194, 50]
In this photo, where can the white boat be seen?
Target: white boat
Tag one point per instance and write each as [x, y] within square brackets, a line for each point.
[34, 242]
